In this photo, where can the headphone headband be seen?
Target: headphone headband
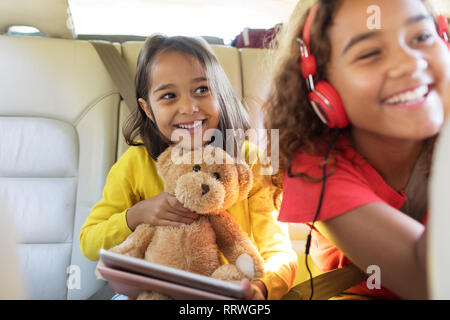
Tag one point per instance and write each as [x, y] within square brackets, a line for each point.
[306, 35]
[442, 24]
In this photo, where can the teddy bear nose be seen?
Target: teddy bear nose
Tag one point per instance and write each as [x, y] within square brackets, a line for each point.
[205, 189]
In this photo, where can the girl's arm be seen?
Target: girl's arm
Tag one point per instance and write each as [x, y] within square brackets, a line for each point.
[271, 238]
[377, 234]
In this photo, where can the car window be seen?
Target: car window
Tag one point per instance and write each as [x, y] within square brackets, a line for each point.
[218, 18]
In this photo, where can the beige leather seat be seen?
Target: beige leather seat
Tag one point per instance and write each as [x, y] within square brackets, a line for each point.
[60, 116]
[58, 137]
[439, 221]
[255, 82]
[10, 276]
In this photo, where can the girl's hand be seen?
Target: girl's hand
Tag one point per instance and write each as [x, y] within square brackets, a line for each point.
[255, 290]
[161, 210]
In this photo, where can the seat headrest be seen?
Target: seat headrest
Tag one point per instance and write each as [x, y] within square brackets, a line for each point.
[51, 17]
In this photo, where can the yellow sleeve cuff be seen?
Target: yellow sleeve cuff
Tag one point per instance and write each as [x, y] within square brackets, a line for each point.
[276, 287]
[105, 234]
[123, 230]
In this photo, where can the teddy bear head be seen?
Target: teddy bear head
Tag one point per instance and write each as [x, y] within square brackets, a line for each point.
[204, 180]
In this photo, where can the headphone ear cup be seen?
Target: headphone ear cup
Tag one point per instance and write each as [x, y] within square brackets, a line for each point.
[328, 105]
[442, 24]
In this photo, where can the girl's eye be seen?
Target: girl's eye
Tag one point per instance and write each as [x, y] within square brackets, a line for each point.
[422, 38]
[216, 175]
[202, 90]
[369, 55]
[167, 96]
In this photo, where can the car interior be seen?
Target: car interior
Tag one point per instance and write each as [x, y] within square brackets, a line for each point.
[61, 118]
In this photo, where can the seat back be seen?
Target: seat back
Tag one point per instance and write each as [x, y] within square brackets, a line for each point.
[10, 276]
[61, 124]
[438, 259]
[255, 82]
[58, 137]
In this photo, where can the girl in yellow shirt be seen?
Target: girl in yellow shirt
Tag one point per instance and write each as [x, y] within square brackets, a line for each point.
[181, 85]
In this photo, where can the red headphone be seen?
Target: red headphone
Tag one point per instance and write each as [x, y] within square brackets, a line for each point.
[442, 25]
[323, 97]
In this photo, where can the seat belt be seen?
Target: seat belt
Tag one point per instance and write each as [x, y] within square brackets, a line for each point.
[328, 284]
[118, 71]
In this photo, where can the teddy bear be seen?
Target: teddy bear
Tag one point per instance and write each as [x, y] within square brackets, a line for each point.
[207, 181]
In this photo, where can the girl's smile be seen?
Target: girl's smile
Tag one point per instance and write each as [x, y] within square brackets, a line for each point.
[413, 99]
[193, 127]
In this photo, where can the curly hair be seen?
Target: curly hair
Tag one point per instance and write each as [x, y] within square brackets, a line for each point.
[287, 107]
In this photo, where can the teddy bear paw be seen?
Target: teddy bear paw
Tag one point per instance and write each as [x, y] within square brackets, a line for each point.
[245, 264]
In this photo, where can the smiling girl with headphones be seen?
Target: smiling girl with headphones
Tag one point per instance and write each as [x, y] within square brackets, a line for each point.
[358, 111]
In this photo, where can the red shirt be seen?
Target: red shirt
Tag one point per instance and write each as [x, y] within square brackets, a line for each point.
[353, 183]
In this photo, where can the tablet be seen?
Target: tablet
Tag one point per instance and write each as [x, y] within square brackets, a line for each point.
[163, 274]
[131, 285]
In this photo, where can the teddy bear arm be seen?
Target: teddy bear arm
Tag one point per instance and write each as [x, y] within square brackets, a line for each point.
[136, 244]
[233, 241]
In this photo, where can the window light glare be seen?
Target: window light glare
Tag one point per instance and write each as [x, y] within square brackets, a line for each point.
[23, 29]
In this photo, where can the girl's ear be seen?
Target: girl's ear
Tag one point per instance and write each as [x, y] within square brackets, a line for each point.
[144, 106]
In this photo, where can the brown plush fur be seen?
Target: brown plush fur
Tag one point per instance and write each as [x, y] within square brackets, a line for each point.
[195, 247]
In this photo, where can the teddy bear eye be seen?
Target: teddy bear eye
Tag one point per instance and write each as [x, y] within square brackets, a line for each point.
[196, 168]
[216, 175]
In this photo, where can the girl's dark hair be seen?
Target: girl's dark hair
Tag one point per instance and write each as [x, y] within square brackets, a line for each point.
[232, 114]
[287, 107]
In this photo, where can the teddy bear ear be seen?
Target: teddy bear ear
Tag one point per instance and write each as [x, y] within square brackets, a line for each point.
[245, 179]
[164, 162]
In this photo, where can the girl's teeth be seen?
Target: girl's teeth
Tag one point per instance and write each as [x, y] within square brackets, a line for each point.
[410, 96]
[196, 125]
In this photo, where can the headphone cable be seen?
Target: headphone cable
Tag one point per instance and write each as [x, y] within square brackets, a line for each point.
[322, 192]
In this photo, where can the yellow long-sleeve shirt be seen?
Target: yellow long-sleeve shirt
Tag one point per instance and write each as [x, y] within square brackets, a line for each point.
[134, 178]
